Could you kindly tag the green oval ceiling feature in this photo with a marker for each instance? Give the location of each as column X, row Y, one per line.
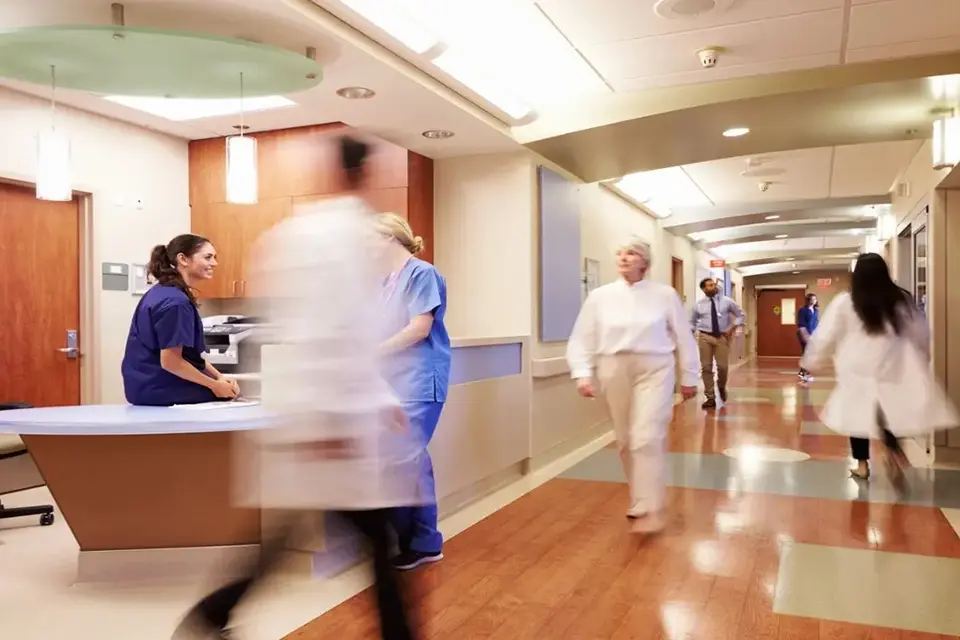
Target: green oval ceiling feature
column 135, row 61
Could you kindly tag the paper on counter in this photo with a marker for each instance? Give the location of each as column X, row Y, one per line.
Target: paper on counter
column 206, row 406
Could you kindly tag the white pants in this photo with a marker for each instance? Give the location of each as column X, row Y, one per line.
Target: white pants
column 638, row 391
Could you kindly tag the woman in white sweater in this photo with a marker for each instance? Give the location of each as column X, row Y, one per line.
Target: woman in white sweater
column 879, row 343
column 622, row 350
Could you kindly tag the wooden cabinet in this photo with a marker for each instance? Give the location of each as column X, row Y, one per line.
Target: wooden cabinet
column 234, row 229
column 296, row 166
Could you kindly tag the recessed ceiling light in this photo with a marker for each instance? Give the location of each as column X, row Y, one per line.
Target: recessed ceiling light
column 181, row 109
column 789, row 259
column 796, row 272
column 772, row 218
column 437, row 134
column 736, row 132
column 782, row 236
column 356, row 93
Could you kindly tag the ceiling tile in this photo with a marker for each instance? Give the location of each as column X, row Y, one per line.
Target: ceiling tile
column 870, row 169
column 904, row 49
column 801, row 175
column 586, row 23
column 728, row 72
column 792, row 37
column 902, row 21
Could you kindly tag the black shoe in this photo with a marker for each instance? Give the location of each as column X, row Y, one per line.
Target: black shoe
column 723, row 393
column 408, row 560
column 709, row 404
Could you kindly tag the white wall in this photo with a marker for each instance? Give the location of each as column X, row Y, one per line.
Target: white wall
column 117, row 163
column 607, row 221
column 483, row 233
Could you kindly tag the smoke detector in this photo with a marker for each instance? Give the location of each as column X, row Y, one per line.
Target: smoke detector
column 679, row 9
column 709, row 56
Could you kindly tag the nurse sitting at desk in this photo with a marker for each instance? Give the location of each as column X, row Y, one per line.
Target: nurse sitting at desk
column 163, row 363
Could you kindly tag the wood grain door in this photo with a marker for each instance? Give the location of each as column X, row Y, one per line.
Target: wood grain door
column 777, row 322
column 40, row 289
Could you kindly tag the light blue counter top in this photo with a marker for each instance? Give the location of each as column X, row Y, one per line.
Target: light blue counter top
column 111, row 420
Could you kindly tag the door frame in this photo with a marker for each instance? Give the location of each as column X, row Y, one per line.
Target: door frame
column 89, row 301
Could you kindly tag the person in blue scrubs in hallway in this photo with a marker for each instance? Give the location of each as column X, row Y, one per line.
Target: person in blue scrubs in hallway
column 163, row 364
column 417, row 366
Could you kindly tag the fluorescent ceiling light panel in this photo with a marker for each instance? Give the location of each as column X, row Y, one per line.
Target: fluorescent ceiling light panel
column 510, row 42
column 400, row 24
column 181, row 109
column 662, row 190
column 463, row 70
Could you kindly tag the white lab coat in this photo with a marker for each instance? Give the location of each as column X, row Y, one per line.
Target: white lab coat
column 320, row 273
column 888, row 371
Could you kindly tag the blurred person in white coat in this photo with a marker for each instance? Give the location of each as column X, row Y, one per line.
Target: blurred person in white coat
column 879, row 343
column 341, row 444
column 623, row 350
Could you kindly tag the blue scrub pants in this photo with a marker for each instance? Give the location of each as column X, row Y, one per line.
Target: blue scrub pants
column 416, row 527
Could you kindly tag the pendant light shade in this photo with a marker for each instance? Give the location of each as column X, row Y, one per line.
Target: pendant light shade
column 53, row 166
column 946, row 142
column 242, row 170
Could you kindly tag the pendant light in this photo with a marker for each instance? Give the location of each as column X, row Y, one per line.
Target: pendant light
column 242, row 164
column 53, row 155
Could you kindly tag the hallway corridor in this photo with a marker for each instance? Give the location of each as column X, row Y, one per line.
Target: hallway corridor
column 768, row 539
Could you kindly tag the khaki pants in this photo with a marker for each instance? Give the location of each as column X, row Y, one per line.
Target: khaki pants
column 638, row 391
column 713, row 349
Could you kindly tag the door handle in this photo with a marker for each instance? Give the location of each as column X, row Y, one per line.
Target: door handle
column 72, row 350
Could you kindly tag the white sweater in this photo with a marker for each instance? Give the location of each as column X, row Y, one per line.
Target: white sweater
column 644, row 318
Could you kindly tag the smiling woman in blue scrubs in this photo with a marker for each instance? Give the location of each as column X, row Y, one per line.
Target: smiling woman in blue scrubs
column 417, row 366
column 163, row 363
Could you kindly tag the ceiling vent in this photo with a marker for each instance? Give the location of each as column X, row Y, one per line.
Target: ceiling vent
column 755, row 168
column 678, row 9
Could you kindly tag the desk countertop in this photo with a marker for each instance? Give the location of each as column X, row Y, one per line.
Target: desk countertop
column 88, row 420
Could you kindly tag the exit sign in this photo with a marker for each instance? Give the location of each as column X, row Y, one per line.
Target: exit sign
column 718, row 264
column 824, row 282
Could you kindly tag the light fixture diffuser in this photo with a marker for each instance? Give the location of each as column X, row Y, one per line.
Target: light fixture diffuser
column 242, row 177
column 736, row 132
column 662, row 190
column 53, row 166
column 182, row 109
column 396, row 22
column 461, row 68
column 946, row 142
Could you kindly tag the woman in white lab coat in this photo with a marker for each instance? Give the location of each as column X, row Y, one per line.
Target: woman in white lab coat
column 623, row 351
column 879, row 343
column 340, row 444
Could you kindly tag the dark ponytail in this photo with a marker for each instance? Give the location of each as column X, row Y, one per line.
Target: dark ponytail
column 163, row 262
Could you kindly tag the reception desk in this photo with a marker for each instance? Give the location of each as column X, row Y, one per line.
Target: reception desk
column 128, row 479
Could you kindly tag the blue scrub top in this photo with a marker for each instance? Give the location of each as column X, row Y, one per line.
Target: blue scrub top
column 808, row 319
column 420, row 373
column 165, row 318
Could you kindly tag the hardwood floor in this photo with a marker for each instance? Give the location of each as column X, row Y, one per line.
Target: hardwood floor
column 560, row 562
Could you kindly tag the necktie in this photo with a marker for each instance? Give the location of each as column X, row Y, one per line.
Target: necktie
column 714, row 319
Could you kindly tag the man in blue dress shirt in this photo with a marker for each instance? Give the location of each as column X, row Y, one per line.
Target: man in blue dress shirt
column 711, row 321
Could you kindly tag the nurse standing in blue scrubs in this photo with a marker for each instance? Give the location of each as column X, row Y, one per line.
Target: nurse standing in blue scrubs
column 417, row 366
column 163, row 364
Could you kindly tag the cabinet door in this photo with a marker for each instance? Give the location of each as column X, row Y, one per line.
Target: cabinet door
column 221, row 223
column 260, row 219
column 234, row 229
